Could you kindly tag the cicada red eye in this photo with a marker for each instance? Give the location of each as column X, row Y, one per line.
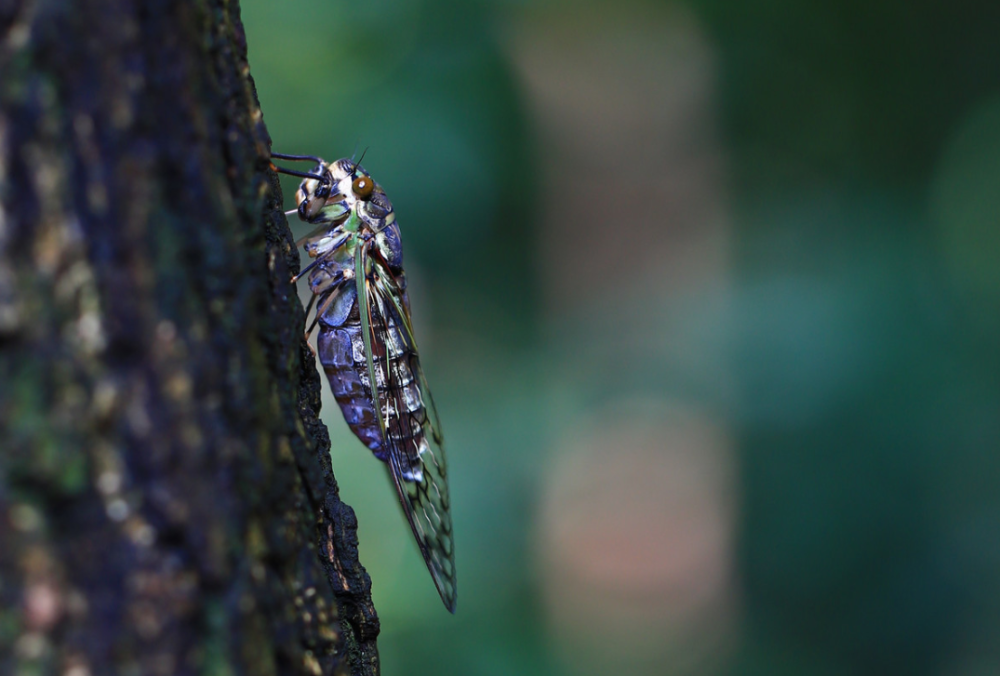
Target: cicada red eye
column 363, row 187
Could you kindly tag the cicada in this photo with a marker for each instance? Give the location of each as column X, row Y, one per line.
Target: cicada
column 367, row 347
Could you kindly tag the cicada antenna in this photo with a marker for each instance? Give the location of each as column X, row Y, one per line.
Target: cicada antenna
column 358, row 163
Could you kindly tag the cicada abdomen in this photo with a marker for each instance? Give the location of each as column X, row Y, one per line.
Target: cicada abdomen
column 368, row 351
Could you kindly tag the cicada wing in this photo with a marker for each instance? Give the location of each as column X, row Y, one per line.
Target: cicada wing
column 424, row 497
column 417, row 462
column 399, row 307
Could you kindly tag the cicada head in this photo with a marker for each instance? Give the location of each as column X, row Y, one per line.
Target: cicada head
column 345, row 187
column 364, row 195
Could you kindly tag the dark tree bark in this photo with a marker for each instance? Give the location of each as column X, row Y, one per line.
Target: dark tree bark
column 167, row 504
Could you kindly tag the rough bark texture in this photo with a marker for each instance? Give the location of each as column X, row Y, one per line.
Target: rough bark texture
column 167, row 504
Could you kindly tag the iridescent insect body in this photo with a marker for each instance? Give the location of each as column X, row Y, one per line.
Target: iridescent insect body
column 366, row 336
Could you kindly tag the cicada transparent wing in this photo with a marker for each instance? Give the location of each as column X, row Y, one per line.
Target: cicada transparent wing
column 407, row 418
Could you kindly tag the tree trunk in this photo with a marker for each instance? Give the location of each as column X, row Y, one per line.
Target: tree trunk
column 167, row 504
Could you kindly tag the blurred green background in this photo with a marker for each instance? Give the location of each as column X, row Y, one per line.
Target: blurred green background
column 708, row 295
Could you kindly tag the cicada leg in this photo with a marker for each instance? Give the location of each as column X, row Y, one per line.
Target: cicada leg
column 331, row 295
column 312, row 301
column 304, row 271
column 309, row 305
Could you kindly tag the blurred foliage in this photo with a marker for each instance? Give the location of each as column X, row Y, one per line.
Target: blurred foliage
column 864, row 145
column 860, row 323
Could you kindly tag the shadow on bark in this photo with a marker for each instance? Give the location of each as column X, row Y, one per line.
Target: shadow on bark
column 167, row 504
